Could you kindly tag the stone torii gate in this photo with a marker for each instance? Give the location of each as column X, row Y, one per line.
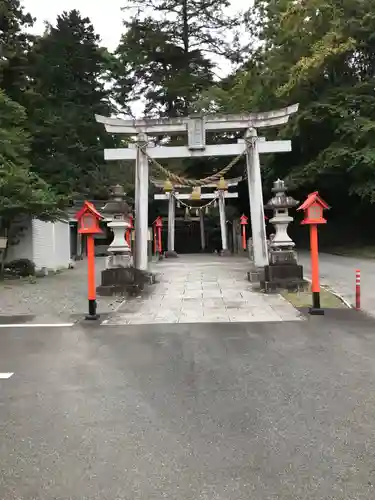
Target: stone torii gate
column 219, row 195
column 196, row 126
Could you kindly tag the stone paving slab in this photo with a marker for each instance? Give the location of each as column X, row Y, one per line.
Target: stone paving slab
column 203, row 289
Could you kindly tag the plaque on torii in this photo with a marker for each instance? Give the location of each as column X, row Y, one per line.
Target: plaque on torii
column 195, row 127
column 196, row 133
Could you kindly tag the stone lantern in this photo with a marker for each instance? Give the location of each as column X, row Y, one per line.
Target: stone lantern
column 118, row 212
column 283, row 270
column 120, row 275
column 280, row 204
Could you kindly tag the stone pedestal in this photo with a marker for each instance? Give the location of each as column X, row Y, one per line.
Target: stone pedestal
column 170, row 254
column 225, row 253
column 282, row 272
column 124, row 280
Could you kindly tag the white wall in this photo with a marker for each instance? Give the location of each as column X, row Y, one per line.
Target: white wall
column 51, row 244
column 23, row 249
column 47, row 244
column 43, row 244
column 62, row 244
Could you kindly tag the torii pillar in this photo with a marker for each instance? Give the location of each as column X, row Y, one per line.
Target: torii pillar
column 254, row 180
column 141, row 204
column 203, row 235
column 171, row 225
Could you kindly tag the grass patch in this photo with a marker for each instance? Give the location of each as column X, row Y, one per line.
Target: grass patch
column 367, row 252
column 303, row 298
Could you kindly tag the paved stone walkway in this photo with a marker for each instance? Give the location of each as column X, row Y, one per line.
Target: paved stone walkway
column 203, row 288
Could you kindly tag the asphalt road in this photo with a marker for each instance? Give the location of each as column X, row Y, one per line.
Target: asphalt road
column 278, row 411
column 339, row 273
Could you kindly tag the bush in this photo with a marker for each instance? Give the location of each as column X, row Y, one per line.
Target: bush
column 21, row 267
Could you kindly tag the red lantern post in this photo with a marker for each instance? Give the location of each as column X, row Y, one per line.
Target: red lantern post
column 88, row 223
column 129, row 230
column 313, row 208
column 244, row 221
column 159, row 225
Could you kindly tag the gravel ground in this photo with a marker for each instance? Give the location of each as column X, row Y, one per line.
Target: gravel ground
column 55, row 295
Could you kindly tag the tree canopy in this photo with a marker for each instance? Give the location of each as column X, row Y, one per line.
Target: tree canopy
column 320, row 54
column 68, row 88
column 164, row 55
column 21, row 191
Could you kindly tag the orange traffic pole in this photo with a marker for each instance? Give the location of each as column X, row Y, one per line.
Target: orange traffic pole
column 244, row 237
column 315, row 285
column 91, row 292
column 358, row 289
column 159, row 238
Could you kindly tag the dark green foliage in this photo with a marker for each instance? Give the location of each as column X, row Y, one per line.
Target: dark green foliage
column 322, row 55
column 20, row 267
column 21, row 191
column 68, row 90
column 15, row 45
column 167, row 77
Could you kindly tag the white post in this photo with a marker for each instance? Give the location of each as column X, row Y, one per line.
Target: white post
column 79, row 244
column 254, row 180
column 141, row 206
column 201, row 222
column 223, row 224
column 171, row 225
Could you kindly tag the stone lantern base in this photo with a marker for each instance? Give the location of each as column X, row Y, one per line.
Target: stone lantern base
column 282, row 272
column 170, row 254
column 124, row 281
column 225, row 253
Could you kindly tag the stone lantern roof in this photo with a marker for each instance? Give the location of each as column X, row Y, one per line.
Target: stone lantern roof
column 280, row 200
column 116, row 204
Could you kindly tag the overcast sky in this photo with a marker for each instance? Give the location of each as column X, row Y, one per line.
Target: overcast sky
column 105, row 15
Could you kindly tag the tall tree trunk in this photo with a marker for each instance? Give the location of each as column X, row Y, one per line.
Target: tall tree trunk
column 186, row 42
column 185, row 29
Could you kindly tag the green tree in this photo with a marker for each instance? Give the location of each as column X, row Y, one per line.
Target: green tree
column 322, row 55
column 69, row 72
column 165, row 59
column 15, row 45
column 22, row 192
